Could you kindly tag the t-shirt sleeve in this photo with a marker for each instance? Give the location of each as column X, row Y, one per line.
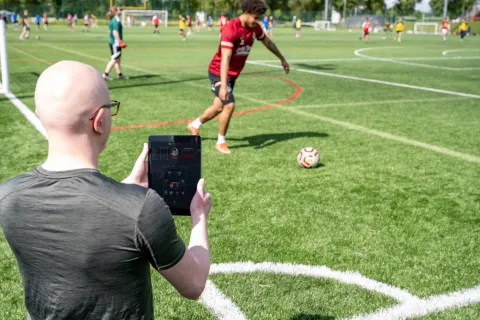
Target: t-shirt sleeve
column 156, row 233
column 228, row 37
column 259, row 34
column 116, row 25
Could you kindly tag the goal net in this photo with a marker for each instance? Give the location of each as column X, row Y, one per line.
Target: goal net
column 143, row 18
column 425, row 28
column 322, row 25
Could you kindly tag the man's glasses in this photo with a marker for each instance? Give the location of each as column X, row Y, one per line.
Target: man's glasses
column 114, row 108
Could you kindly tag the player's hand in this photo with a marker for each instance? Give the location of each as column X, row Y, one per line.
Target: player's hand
column 202, row 202
column 139, row 174
column 122, row 44
column 223, row 93
column 286, row 66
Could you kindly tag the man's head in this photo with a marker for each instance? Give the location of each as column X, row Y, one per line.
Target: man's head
column 253, row 10
column 71, row 101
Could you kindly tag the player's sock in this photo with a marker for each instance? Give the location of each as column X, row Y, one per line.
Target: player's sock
column 196, row 123
column 221, row 139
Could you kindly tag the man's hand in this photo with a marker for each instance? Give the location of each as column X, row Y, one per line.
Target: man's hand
column 286, row 66
column 122, row 44
column 201, row 203
column 139, row 174
column 223, row 93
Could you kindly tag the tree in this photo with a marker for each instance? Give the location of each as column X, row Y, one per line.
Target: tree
column 406, row 7
column 455, row 8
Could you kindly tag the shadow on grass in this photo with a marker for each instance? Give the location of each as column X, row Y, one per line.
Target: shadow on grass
column 131, row 83
column 316, row 66
column 266, row 140
column 306, row 316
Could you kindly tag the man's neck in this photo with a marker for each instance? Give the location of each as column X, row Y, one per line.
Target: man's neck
column 70, row 156
column 243, row 20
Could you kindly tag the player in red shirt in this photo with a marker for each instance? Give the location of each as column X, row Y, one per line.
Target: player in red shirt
column 189, row 25
column 155, row 22
column 236, row 42
column 366, row 29
column 445, row 27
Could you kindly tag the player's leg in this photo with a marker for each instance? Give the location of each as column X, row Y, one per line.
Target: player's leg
column 113, row 60
column 207, row 115
column 27, row 33
column 223, row 122
column 24, row 31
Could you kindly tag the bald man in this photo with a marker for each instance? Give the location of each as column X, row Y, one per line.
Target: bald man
column 84, row 242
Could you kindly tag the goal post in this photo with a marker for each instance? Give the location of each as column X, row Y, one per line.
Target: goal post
column 143, row 17
column 4, row 57
column 425, row 28
column 322, row 25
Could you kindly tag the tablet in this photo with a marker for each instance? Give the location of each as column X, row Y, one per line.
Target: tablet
column 174, row 168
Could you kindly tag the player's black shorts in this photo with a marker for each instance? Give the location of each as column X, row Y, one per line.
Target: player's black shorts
column 116, row 51
column 38, row 23
column 46, row 23
column 85, row 24
column 181, row 30
column 216, row 89
column 155, row 25
column 463, row 33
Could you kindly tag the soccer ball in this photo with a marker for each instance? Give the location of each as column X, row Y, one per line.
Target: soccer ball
column 308, row 157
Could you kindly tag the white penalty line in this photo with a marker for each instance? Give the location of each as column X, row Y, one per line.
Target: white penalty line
column 27, row 113
column 363, row 59
column 395, row 84
column 425, row 306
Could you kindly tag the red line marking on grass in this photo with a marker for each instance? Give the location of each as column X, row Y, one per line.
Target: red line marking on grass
column 295, row 95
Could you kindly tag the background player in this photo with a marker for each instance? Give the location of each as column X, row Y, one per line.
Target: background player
column 115, row 42
column 222, row 22
column 445, row 28
column 69, row 22
column 15, row 21
column 86, row 22
column 189, row 25
column 210, row 23
column 38, row 19
column 26, row 27
column 366, row 30
column 399, row 29
column 270, row 26
column 45, row 21
column 463, row 29
column 298, row 27
column 155, row 22
column 182, row 26
column 197, row 23
column 236, row 42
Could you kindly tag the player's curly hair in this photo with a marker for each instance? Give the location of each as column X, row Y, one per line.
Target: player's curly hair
column 254, row 6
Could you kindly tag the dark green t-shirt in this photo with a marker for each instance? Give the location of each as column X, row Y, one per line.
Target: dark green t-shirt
column 84, row 243
column 115, row 24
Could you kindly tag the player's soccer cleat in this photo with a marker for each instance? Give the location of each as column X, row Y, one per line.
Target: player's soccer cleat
column 223, row 148
column 105, row 77
column 193, row 131
column 122, row 77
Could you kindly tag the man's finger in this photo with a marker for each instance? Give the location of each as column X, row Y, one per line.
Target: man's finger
column 200, row 186
column 143, row 156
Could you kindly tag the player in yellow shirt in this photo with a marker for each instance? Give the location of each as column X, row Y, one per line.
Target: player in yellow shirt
column 399, row 29
column 463, row 29
column 298, row 27
column 182, row 26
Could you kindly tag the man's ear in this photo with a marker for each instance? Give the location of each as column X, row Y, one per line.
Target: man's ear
column 97, row 123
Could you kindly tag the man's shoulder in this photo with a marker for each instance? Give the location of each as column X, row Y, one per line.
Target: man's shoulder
column 19, row 182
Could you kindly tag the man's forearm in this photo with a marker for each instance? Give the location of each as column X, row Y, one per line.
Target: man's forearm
column 273, row 48
column 116, row 35
column 198, row 245
column 224, row 66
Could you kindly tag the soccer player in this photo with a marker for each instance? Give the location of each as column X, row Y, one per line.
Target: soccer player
column 463, row 29
column 155, row 22
column 298, row 27
column 116, row 43
column 45, row 21
column 86, row 22
column 210, row 23
column 197, row 23
column 26, row 26
column 270, row 26
column 265, row 24
column 387, row 28
column 399, row 29
column 366, row 30
column 189, row 25
column 182, row 26
column 75, row 20
column 15, row 21
column 236, row 42
column 445, row 28
column 38, row 18
column 69, row 22
column 222, row 22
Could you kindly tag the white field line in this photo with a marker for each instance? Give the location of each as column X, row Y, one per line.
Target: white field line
column 357, row 53
column 425, row 306
column 362, row 59
column 368, row 103
column 389, row 136
column 219, row 304
column 395, row 84
column 457, row 50
column 346, row 277
column 31, row 117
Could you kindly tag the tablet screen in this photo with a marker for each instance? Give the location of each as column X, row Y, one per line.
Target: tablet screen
column 174, row 169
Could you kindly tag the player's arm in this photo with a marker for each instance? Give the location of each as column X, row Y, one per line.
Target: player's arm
column 268, row 43
column 224, row 66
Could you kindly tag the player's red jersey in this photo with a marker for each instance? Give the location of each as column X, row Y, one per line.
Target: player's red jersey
column 189, row 21
column 155, row 20
column 445, row 24
column 222, row 22
column 366, row 26
column 240, row 39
